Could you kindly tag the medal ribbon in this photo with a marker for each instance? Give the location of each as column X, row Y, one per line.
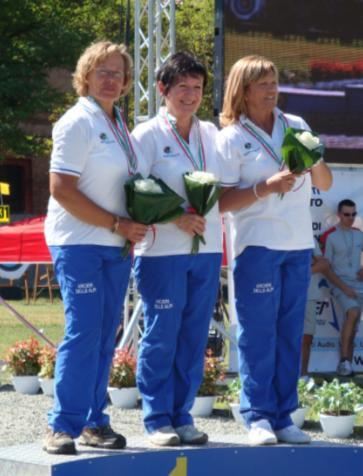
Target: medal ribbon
column 122, row 136
column 256, row 135
column 198, row 164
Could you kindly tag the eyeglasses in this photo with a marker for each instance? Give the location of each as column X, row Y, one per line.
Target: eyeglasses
column 352, row 215
column 106, row 73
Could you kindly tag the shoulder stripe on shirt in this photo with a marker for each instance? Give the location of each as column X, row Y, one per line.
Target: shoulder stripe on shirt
column 67, row 171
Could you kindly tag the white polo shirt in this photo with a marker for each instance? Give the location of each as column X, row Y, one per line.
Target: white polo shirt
column 84, row 146
column 273, row 222
column 167, row 161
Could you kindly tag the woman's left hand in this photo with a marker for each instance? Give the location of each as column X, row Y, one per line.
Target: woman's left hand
column 191, row 223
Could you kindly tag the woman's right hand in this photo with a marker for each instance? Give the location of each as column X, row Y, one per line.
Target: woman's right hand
column 191, row 223
column 131, row 230
column 281, row 182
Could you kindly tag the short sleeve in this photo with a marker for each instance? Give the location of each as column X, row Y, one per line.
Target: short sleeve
column 144, row 139
column 70, row 146
column 229, row 163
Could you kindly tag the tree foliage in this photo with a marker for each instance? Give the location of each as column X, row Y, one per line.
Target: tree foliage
column 38, row 36
column 195, row 33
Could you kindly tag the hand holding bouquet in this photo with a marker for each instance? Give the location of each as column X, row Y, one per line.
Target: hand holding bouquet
column 202, row 190
column 150, row 201
column 301, row 149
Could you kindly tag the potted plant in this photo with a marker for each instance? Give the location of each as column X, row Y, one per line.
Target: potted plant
column 232, row 396
column 23, row 361
column 337, row 404
column 122, row 384
column 47, row 365
column 208, row 390
column 305, row 390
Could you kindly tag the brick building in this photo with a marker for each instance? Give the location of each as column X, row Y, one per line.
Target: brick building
column 28, row 176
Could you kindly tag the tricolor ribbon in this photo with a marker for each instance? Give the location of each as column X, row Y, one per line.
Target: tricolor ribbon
column 121, row 133
column 199, row 163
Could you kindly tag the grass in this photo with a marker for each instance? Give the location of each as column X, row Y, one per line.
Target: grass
column 43, row 315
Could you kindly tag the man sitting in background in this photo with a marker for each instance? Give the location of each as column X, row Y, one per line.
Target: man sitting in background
column 320, row 269
column 343, row 248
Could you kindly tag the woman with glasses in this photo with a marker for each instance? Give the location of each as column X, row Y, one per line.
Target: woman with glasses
column 272, row 242
column 178, row 289
column 86, row 227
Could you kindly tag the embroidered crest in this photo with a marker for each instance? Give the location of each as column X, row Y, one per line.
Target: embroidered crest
column 103, row 136
column 167, row 149
column 248, row 145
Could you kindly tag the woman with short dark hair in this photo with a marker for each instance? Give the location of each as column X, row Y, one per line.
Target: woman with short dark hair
column 178, row 289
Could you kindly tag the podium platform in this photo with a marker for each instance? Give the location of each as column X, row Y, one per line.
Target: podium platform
column 226, row 455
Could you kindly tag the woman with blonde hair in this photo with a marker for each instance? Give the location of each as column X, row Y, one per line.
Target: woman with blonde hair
column 272, row 243
column 86, row 227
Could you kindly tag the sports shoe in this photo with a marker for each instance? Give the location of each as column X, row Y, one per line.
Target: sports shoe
column 164, row 436
column 58, row 443
column 102, row 437
column 188, row 434
column 292, row 434
column 261, row 433
column 344, row 368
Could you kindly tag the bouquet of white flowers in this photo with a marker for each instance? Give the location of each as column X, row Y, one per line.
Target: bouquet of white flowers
column 301, row 149
column 202, row 190
column 150, row 201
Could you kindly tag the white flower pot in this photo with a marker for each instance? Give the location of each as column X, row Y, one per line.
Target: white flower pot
column 298, row 416
column 337, row 426
column 123, row 397
column 27, row 384
column 47, row 386
column 235, row 412
column 203, row 406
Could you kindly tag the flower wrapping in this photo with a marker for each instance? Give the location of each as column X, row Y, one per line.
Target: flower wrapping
column 150, row 201
column 203, row 191
column 301, row 149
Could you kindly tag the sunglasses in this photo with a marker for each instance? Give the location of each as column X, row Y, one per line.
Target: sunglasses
column 354, row 214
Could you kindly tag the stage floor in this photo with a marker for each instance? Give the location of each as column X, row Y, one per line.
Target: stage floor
column 225, row 455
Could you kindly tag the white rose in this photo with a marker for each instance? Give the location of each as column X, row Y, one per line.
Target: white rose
column 307, row 139
column 147, row 185
column 203, row 177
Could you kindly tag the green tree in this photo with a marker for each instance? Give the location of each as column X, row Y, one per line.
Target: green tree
column 194, row 21
column 38, row 36
column 35, row 37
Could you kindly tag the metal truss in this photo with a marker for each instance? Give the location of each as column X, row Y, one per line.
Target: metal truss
column 154, row 43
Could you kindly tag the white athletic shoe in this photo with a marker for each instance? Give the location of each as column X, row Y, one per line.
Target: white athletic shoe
column 164, row 436
column 188, row 434
column 261, row 433
column 345, row 368
column 292, row 434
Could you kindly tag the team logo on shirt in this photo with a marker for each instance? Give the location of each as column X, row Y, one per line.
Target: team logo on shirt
column 169, row 151
column 105, row 139
column 248, row 145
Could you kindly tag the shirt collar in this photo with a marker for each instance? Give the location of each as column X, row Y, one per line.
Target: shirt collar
column 163, row 112
column 90, row 105
column 276, row 112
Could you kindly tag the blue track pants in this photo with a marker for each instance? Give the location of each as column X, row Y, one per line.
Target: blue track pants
column 271, row 290
column 93, row 282
column 179, row 294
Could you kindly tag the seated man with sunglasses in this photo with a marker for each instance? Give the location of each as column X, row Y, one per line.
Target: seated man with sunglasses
column 343, row 248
